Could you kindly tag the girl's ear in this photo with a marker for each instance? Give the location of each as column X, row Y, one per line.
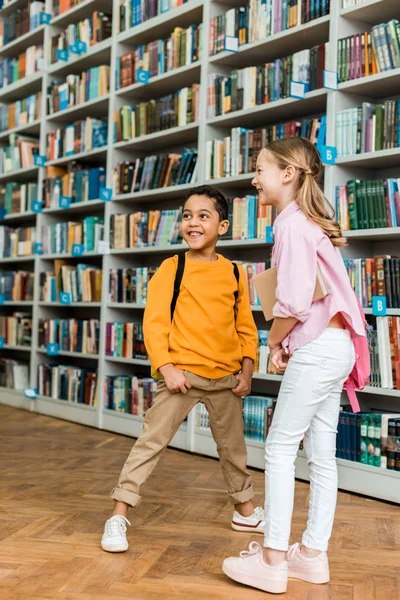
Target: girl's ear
column 223, row 227
column 289, row 174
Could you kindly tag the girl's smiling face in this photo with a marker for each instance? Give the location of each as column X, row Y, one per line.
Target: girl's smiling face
column 269, row 179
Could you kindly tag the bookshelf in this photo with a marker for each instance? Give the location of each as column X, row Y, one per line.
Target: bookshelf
column 355, row 477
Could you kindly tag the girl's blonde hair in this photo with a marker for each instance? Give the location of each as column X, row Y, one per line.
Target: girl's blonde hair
column 302, row 154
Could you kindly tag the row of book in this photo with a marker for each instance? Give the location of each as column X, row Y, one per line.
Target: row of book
column 129, row 285
column 77, row 89
column 146, row 228
column 384, row 342
column 17, row 285
column 16, row 329
column 368, row 53
column 262, row 18
column 82, row 136
column 269, row 82
column 133, row 12
column 156, row 171
column 25, row 64
column 81, row 282
column 14, row 374
column 59, row 7
column 378, row 276
column 125, row 340
column 17, row 241
column 237, row 153
column 180, row 49
column 129, row 395
column 20, row 22
column 368, row 204
column 76, row 181
column 71, row 335
column 175, row 110
column 16, row 198
column 72, row 384
column 90, row 31
column 19, row 154
column 368, row 128
column 60, row 237
column 20, row 113
column 370, row 439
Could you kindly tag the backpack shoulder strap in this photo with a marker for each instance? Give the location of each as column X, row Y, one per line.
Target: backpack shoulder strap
column 236, row 273
column 177, row 283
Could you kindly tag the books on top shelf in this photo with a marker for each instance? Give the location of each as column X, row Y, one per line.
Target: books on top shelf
column 368, row 204
column 237, row 153
column 129, row 395
column 16, row 285
column 129, row 285
column 16, row 198
column 19, row 154
column 71, row 335
column 262, row 84
column 125, row 340
column 378, row 276
column 156, row 171
column 262, row 18
column 17, row 329
column 72, row 384
column 77, row 89
column 14, row 374
column 175, row 110
column 25, row 64
column 60, row 237
column 20, row 22
column 133, row 12
column 20, row 113
column 90, row 31
column 82, row 136
column 75, row 181
column 368, row 128
column 82, row 282
column 384, row 342
column 17, row 241
column 183, row 47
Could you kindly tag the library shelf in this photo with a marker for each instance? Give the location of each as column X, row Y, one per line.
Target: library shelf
column 21, row 88
column 89, row 156
column 78, row 12
column 233, row 182
column 176, row 136
column 77, row 207
column 18, row 303
column 25, row 174
column 128, row 361
column 14, row 398
column 68, row 354
column 11, row 7
column 256, row 243
column 163, row 193
column 17, row 347
column 63, row 409
column 372, row 11
column 381, row 159
column 19, row 216
column 380, row 233
column 71, row 305
column 28, row 129
column 161, row 26
column 124, row 305
column 313, row 102
column 31, row 38
column 391, row 312
column 63, row 255
column 380, row 85
column 13, row 259
column 161, row 85
column 280, row 44
column 381, row 391
column 91, row 108
column 131, row 425
column 93, row 57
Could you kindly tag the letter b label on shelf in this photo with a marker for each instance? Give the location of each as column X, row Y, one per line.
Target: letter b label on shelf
column 379, row 306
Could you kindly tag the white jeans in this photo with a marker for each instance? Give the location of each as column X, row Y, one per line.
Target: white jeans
column 308, row 406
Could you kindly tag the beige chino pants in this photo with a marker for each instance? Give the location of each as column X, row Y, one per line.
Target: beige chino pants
column 162, row 421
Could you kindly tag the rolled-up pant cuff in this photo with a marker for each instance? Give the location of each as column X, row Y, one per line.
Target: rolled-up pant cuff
column 274, row 545
column 124, row 496
column 240, row 497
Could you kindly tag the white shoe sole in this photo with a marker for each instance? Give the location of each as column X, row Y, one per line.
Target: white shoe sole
column 247, row 529
column 271, row 586
column 121, row 548
column 317, row 577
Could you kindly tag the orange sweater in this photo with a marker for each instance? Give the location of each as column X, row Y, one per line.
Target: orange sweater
column 204, row 337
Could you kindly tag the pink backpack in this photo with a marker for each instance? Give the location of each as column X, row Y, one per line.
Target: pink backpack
column 359, row 376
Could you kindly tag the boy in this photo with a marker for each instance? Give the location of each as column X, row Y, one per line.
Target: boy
column 205, row 353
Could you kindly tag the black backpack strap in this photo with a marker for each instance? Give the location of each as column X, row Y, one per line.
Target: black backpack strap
column 178, row 280
column 236, row 273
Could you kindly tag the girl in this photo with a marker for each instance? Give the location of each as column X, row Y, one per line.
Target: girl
column 312, row 344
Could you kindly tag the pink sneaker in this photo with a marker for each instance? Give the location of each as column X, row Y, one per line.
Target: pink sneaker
column 249, row 568
column 313, row 570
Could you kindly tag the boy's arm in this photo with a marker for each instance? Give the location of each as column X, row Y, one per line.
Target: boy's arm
column 245, row 326
column 157, row 314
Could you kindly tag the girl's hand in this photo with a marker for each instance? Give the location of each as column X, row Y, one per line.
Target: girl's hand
column 175, row 379
column 244, row 384
column 279, row 359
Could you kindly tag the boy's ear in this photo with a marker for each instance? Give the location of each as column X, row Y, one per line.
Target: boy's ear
column 223, row 227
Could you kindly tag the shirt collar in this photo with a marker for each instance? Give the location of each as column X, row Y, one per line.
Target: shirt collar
column 287, row 211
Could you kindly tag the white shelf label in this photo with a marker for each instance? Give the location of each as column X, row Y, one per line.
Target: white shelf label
column 330, row 80
column 231, row 43
column 103, row 247
column 30, row 392
column 298, row 89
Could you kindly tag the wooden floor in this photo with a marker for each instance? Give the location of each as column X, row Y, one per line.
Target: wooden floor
column 55, row 478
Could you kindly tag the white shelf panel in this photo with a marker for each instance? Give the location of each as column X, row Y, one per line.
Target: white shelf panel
column 28, row 129
column 27, row 174
column 18, row 217
column 95, row 56
column 22, row 42
column 240, row 244
column 164, row 193
column 128, row 361
column 21, row 88
column 71, row 354
column 92, row 108
column 379, row 85
column 384, row 233
column 381, row 391
column 14, row 398
column 17, row 347
column 373, row 11
column 242, row 182
column 154, row 141
column 18, row 303
column 77, row 207
column 382, row 159
column 65, row 255
column 69, row 411
column 126, row 305
column 13, row 259
column 72, row 305
column 162, row 84
column 394, row 312
column 98, row 154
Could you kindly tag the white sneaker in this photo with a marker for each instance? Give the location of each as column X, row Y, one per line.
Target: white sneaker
column 114, row 536
column 255, row 523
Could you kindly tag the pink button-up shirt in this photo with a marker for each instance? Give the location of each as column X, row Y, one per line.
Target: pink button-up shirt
column 299, row 245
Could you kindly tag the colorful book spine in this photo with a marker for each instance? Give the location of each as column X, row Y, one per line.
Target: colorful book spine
column 134, row 12
column 60, row 238
column 77, row 89
column 129, row 395
column 14, row 374
column 81, row 136
column 79, row 37
column 20, row 113
column 16, row 329
column 17, row 285
column 129, row 285
column 71, row 335
column 16, row 198
column 72, row 384
column 25, row 64
column 17, row 241
column 125, row 340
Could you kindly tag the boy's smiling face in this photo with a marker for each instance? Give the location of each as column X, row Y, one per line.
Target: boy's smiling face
column 201, row 225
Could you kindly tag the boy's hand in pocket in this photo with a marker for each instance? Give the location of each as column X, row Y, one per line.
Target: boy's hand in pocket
column 175, row 379
column 244, row 384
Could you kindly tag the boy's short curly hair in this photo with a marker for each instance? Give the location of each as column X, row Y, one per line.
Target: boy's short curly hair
column 219, row 200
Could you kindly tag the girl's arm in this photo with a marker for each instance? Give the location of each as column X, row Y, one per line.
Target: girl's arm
column 279, row 330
